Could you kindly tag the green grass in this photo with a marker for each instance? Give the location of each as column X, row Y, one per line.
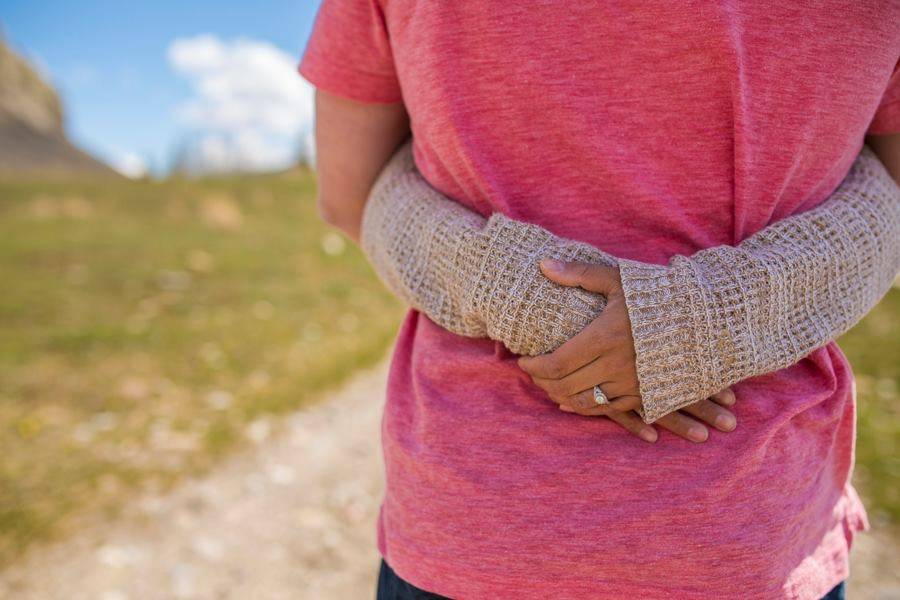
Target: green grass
column 144, row 325
column 873, row 347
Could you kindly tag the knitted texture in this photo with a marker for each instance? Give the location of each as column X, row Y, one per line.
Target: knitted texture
column 700, row 323
column 473, row 276
column 704, row 322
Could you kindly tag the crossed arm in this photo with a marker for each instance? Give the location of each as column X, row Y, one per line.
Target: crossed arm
column 865, row 209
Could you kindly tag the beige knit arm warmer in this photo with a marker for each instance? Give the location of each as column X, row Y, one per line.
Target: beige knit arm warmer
column 704, row 322
column 700, row 323
column 473, row 276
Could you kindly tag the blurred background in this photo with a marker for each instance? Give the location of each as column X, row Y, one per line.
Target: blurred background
column 191, row 364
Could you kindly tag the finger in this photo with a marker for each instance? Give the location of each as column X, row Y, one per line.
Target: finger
column 726, row 397
column 631, row 422
column 712, row 413
column 684, row 426
column 594, row 278
column 585, row 346
column 600, row 369
column 584, row 404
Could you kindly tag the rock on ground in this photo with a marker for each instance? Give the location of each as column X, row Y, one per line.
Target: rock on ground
column 294, row 517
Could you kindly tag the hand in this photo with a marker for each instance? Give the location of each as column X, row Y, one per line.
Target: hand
column 687, row 423
column 603, row 354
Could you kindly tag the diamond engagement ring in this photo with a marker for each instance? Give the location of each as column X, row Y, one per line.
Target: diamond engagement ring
column 599, row 397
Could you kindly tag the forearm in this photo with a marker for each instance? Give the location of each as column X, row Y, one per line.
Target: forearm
column 419, row 241
column 699, row 324
column 476, row 277
column 704, row 322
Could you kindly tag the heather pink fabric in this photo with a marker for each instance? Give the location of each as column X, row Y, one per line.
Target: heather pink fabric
column 646, row 129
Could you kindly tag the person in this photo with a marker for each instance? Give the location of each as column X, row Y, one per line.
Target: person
column 646, row 131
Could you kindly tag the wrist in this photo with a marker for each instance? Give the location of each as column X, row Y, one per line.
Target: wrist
column 529, row 313
column 671, row 335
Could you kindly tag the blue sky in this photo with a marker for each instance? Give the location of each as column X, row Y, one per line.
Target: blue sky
column 124, row 91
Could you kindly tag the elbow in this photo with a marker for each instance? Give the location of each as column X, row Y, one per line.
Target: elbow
column 329, row 207
column 335, row 213
column 327, row 210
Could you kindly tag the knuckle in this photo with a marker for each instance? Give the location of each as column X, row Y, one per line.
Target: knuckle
column 544, row 384
column 621, row 363
column 565, row 388
column 634, row 428
column 714, row 408
column 600, row 337
column 544, row 366
column 701, row 405
column 621, row 331
column 707, row 415
column 585, row 404
column 665, row 422
column 679, row 430
column 621, row 420
column 580, row 400
column 556, row 387
column 617, row 391
column 627, row 404
column 556, row 369
column 616, row 277
column 576, row 404
column 559, row 398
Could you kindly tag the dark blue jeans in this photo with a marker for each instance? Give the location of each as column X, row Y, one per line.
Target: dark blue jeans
column 391, row 587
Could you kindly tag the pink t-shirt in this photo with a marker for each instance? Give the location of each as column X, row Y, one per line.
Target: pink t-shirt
column 647, row 129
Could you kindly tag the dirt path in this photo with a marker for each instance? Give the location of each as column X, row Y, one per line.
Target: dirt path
column 292, row 518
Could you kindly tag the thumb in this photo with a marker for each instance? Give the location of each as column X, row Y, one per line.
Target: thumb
column 594, row 278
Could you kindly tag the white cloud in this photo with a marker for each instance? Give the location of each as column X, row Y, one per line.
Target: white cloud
column 130, row 165
column 249, row 108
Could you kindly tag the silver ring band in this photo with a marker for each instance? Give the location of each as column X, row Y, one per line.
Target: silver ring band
column 599, row 397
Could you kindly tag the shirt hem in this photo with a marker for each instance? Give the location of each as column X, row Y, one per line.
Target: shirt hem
column 832, row 568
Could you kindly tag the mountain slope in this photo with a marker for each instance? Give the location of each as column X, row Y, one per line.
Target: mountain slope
column 32, row 138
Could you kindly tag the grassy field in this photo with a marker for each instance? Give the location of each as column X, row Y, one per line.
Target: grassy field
column 146, row 328
column 873, row 347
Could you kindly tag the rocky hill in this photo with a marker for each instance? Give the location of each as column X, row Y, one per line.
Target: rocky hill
column 32, row 137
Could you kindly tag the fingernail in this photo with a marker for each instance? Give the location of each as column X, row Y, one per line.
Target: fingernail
column 566, row 408
column 726, row 422
column 697, row 434
column 648, row 434
column 551, row 265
